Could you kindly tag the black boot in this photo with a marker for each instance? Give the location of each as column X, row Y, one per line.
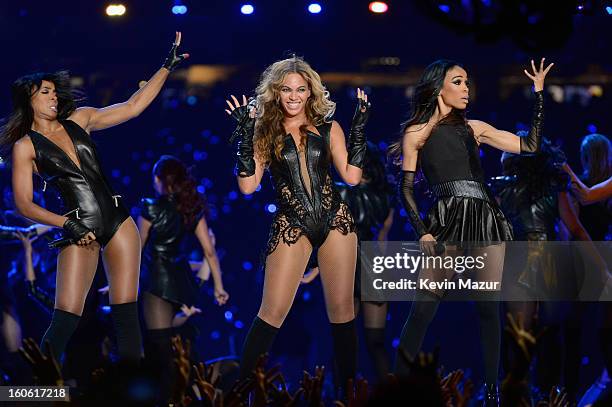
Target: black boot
column 127, row 331
column 259, row 340
column 63, row 324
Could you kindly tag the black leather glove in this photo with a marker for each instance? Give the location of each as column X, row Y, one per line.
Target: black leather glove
column 245, row 130
column 173, row 60
column 406, row 194
column 75, row 231
column 357, row 139
column 531, row 144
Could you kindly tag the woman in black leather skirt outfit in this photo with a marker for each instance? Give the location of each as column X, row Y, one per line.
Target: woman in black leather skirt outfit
column 294, row 137
column 446, row 144
column 50, row 136
column 167, row 282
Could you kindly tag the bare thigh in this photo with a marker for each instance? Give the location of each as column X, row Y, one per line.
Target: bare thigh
column 337, row 258
column 285, row 267
column 122, row 263
column 76, row 268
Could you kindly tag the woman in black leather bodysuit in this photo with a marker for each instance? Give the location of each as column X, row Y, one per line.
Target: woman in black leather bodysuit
column 167, row 282
column 49, row 136
column 293, row 135
column 465, row 215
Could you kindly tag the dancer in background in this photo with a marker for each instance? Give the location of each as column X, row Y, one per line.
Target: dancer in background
column 291, row 133
column 50, row 136
column 167, row 284
column 446, row 145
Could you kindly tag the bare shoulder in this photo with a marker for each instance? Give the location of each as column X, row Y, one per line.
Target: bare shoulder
column 82, row 115
column 23, row 147
column 416, row 135
column 336, row 128
column 478, row 126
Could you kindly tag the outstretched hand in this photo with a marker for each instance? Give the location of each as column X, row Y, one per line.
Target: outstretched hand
column 174, row 59
column 45, row 368
column 538, row 75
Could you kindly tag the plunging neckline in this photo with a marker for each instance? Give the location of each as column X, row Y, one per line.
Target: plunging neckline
column 76, row 152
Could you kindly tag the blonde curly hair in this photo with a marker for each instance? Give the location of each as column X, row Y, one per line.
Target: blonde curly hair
column 269, row 129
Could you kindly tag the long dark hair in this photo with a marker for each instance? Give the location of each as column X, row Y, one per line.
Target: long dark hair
column 540, row 173
column 19, row 122
column 425, row 102
column 176, row 179
column 596, row 158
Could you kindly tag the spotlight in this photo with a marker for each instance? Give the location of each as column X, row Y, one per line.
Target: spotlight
column 247, row 9
column 609, row 10
column 314, row 8
column 378, row 7
column 179, row 9
column 115, row 10
column 445, row 8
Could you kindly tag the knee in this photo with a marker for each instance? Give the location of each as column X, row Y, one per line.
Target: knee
column 273, row 316
column 73, row 308
column 340, row 311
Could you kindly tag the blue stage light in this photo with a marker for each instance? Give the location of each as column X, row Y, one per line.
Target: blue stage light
column 192, row 100
column 258, row 188
column 306, row 295
column 445, row 8
column 239, row 324
column 247, row 9
column 215, row 335
column 233, row 195
column 609, row 10
column 271, row 208
column 314, row 8
column 592, row 128
column 179, row 9
column 395, row 343
column 228, row 315
column 247, row 265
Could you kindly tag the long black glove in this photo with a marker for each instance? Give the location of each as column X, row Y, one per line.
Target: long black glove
column 406, row 194
column 75, row 231
column 42, row 297
column 357, row 139
column 531, row 144
column 173, row 60
column 245, row 162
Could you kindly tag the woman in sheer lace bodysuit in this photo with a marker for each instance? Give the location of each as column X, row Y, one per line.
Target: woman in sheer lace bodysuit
column 288, row 130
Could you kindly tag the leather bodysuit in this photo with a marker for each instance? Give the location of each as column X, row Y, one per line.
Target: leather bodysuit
column 307, row 210
column 165, row 270
column 85, row 193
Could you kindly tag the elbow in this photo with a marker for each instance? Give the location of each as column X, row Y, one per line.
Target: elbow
column 352, row 180
column 246, row 188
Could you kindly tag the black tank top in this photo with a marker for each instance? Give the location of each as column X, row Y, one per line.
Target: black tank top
column 451, row 153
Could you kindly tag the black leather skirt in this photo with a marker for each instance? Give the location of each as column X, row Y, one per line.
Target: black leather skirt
column 465, row 212
column 169, row 278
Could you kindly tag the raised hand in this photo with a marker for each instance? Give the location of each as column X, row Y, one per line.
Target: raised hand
column 173, row 59
column 538, row 75
column 451, row 387
column 45, row 368
column 190, row 311
column 357, row 140
column 243, row 113
column 313, row 387
column 183, row 367
column 203, row 379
